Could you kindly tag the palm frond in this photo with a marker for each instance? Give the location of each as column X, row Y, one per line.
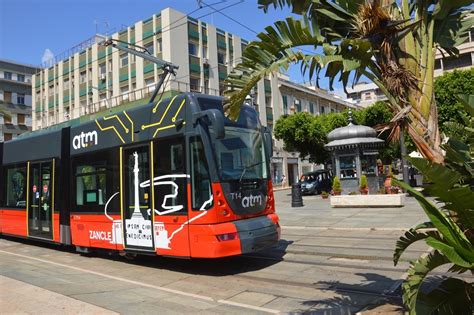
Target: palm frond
column 411, row 236
column 416, row 274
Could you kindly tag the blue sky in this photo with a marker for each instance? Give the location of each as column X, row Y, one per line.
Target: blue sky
column 29, row 27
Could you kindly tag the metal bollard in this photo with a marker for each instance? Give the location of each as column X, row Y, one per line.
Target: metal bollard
column 296, row 196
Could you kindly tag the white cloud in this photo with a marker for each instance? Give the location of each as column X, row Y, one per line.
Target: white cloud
column 48, row 57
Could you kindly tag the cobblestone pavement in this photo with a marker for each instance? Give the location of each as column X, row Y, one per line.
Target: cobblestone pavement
column 329, row 261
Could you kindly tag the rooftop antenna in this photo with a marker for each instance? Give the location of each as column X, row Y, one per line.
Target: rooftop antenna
column 106, row 28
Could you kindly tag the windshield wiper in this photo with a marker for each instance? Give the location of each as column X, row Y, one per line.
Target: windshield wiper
column 247, row 167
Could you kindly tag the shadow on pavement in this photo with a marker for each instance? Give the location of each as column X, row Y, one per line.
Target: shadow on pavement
column 196, row 266
column 352, row 298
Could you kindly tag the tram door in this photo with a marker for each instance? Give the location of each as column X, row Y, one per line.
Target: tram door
column 138, row 225
column 155, row 213
column 41, row 206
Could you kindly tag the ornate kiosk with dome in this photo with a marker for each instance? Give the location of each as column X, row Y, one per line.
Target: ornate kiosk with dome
column 354, row 150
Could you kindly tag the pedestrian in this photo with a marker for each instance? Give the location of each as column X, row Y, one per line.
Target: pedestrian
column 283, row 180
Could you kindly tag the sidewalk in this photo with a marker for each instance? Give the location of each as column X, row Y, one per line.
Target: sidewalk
column 40, row 301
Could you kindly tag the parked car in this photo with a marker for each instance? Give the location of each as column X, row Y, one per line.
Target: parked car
column 314, row 183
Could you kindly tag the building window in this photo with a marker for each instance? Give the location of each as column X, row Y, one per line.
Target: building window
column 16, row 184
column 7, row 120
column 150, row 82
column 204, row 51
column 206, row 86
column 159, row 45
column 297, row 106
column 7, row 75
column 124, row 92
column 21, row 119
column 323, row 109
column 268, row 101
column 285, row 104
column 82, row 77
column 150, row 48
column 194, row 84
column 20, row 77
column 20, row 98
column 311, row 107
column 221, row 58
column 7, row 96
column 7, row 136
column 66, row 84
column 102, row 69
column 124, row 60
column 193, row 49
column 462, row 61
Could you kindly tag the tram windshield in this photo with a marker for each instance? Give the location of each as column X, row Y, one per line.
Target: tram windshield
column 240, row 155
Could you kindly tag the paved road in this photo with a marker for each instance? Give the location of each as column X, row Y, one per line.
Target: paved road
column 329, row 261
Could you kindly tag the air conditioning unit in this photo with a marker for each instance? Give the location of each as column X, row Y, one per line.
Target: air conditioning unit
column 103, row 77
column 205, row 62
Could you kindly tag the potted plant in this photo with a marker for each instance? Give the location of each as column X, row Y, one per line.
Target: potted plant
column 363, row 187
column 336, row 186
column 388, row 180
column 324, row 195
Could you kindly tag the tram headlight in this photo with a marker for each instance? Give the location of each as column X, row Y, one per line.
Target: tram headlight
column 227, row 237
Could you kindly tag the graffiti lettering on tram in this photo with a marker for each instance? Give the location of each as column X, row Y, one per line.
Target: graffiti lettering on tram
column 100, row 235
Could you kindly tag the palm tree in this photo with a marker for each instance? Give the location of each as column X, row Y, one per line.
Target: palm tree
column 393, row 43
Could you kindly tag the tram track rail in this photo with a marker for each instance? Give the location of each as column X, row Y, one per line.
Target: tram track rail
column 343, row 265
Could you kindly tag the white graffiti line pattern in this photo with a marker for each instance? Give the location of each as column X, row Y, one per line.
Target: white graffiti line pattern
column 204, row 211
column 160, row 181
column 107, row 204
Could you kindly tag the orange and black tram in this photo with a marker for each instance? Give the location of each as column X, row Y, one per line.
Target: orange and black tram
column 173, row 178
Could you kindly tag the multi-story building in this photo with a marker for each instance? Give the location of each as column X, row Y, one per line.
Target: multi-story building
column 91, row 78
column 15, row 98
column 365, row 94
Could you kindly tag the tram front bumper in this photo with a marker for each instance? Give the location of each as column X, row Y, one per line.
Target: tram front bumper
column 234, row 238
column 256, row 234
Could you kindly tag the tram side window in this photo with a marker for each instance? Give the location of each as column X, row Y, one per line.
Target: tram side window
column 169, row 161
column 200, row 179
column 91, row 185
column 16, row 187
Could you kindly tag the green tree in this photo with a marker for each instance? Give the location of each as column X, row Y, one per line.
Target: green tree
column 452, row 115
column 303, row 133
column 390, row 42
column 306, row 133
